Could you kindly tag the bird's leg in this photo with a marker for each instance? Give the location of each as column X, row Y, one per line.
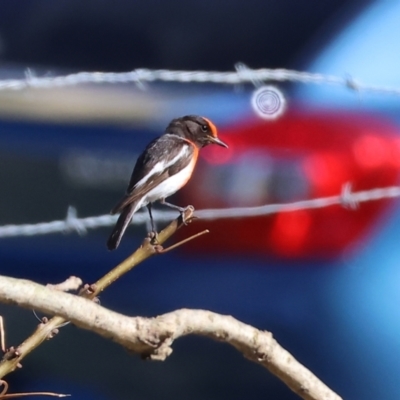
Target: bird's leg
column 153, row 233
column 180, row 209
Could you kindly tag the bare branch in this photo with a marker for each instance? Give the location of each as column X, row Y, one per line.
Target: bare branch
column 153, row 337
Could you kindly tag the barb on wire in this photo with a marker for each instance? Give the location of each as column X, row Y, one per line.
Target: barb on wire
column 73, row 223
column 347, row 199
column 240, row 75
column 243, row 70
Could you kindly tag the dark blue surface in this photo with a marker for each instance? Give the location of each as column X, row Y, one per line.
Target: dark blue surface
column 49, row 141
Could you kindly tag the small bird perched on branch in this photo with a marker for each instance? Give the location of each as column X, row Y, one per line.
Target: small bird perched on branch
column 163, row 168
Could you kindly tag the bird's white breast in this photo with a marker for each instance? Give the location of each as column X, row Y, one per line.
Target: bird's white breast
column 170, row 185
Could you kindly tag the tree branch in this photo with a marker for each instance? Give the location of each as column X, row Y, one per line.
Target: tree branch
column 12, row 358
column 153, row 337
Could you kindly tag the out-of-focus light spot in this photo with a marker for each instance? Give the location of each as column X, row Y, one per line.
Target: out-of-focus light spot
column 371, row 151
column 326, row 171
column 290, row 231
column 268, row 102
column 217, row 155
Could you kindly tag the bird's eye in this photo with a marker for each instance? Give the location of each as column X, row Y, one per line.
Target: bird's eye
column 204, row 128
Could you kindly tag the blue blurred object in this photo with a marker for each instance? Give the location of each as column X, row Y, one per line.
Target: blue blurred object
column 363, row 297
column 364, row 51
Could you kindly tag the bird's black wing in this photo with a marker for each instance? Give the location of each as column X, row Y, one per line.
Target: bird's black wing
column 163, row 157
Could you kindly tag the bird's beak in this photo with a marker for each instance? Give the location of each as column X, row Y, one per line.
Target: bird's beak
column 215, row 140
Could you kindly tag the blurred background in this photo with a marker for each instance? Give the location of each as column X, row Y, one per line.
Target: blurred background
column 324, row 281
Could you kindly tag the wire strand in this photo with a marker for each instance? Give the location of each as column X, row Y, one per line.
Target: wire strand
column 72, row 223
column 241, row 75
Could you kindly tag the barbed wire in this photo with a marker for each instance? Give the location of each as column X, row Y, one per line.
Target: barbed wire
column 242, row 74
column 72, row 223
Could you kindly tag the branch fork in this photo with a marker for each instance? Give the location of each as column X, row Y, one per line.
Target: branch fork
column 47, row 329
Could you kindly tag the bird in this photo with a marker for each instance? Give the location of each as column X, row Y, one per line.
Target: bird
column 165, row 166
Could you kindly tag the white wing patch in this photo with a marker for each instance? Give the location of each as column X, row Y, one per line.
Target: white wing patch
column 162, row 165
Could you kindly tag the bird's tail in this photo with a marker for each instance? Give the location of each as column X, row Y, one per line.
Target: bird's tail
column 121, row 225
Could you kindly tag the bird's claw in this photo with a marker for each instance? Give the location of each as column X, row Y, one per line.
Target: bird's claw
column 153, row 236
column 187, row 214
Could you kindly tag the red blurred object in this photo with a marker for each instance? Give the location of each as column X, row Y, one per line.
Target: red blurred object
column 300, row 156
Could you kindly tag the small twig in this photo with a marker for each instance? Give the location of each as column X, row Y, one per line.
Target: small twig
column 2, row 335
column 5, row 388
column 70, row 284
column 51, row 394
column 174, row 246
column 4, row 395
